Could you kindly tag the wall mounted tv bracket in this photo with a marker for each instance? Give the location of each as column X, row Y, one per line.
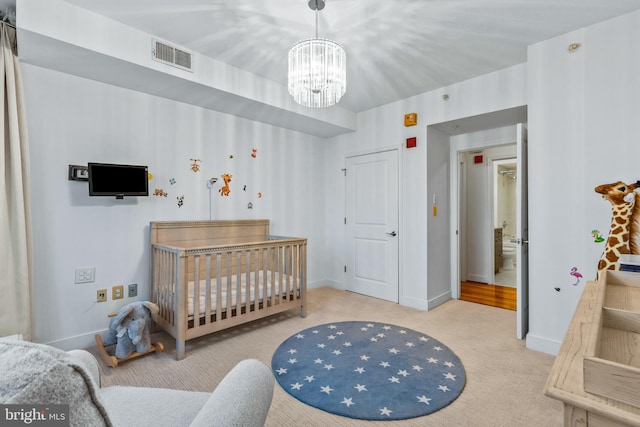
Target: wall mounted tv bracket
column 78, row 173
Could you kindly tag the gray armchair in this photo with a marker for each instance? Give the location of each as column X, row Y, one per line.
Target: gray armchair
column 38, row 374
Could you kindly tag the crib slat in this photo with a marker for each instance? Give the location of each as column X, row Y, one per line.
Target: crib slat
column 195, row 297
column 207, row 295
column 228, row 277
column 218, row 287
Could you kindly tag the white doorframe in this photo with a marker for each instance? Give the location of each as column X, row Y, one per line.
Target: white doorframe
column 491, row 160
column 492, row 138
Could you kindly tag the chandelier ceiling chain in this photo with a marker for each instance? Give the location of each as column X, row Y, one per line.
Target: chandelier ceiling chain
column 317, row 69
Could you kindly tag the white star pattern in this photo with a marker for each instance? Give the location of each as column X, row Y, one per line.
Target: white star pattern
column 348, row 401
column 326, row 389
column 423, row 399
column 360, row 388
column 385, row 411
column 399, row 377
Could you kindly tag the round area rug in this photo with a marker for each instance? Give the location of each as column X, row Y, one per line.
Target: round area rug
column 368, row 370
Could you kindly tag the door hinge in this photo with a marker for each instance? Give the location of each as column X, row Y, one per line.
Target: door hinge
column 344, row 171
column 345, row 268
column 345, row 219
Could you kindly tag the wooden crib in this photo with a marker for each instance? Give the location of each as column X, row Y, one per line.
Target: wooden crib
column 211, row 275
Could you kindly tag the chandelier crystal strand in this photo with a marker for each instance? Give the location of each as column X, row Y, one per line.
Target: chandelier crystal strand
column 317, row 71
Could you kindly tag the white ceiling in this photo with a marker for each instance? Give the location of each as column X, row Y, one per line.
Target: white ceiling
column 395, row 48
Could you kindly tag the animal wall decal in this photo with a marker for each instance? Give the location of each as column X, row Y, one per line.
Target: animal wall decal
column 225, row 190
column 195, row 166
column 625, row 212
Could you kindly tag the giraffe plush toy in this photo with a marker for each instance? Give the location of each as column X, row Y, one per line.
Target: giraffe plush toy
column 625, row 211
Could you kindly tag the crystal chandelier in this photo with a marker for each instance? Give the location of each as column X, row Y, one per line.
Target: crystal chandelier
column 317, row 69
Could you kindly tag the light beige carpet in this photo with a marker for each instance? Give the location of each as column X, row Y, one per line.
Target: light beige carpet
column 504, row 379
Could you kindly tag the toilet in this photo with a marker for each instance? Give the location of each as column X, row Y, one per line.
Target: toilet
column 508, row 255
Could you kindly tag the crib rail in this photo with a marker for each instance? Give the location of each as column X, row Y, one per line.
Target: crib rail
column 205, row 289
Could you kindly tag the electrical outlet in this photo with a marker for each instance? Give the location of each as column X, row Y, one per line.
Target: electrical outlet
column 117, row 292
column 102, row 295
column 85, row 275
column 133, row 290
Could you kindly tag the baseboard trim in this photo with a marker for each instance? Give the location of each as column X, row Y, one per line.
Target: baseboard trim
column 416, row 303
column 329, row 283
column 83, row 341
column 544, row 345
column 477, row 278
column 440, row 299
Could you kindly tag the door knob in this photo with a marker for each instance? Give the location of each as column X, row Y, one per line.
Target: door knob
column 392, row 234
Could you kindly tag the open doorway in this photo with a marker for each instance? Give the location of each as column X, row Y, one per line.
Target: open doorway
column 478, row 212
column 487, row 212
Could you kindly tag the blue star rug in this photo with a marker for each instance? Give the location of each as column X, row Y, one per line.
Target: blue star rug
column 368, row 370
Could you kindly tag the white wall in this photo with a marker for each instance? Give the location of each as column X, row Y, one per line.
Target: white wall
column 438, row 278
column 583, row 114
column 74, row 121
column 383, row 127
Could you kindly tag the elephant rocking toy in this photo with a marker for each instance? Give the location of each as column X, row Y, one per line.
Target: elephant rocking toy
column 129, row 330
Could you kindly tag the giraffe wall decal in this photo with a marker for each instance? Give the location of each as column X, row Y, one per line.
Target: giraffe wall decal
column 625, row 212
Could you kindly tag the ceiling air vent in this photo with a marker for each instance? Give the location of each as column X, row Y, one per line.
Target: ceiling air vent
column 171, row 55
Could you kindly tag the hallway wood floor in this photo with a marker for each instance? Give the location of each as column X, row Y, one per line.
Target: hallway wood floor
column 493, row 295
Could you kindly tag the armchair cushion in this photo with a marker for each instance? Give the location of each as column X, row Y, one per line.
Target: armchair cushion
column 39, row 374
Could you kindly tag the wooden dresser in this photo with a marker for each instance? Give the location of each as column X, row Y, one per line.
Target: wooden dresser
column 597, row 371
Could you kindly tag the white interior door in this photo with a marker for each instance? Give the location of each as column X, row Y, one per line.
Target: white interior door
column 372, row 225
column 522, row 238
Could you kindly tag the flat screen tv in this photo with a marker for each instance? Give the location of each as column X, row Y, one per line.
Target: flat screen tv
column 118, row 180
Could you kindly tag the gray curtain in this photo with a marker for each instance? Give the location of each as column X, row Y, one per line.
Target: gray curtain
column 16, row 251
